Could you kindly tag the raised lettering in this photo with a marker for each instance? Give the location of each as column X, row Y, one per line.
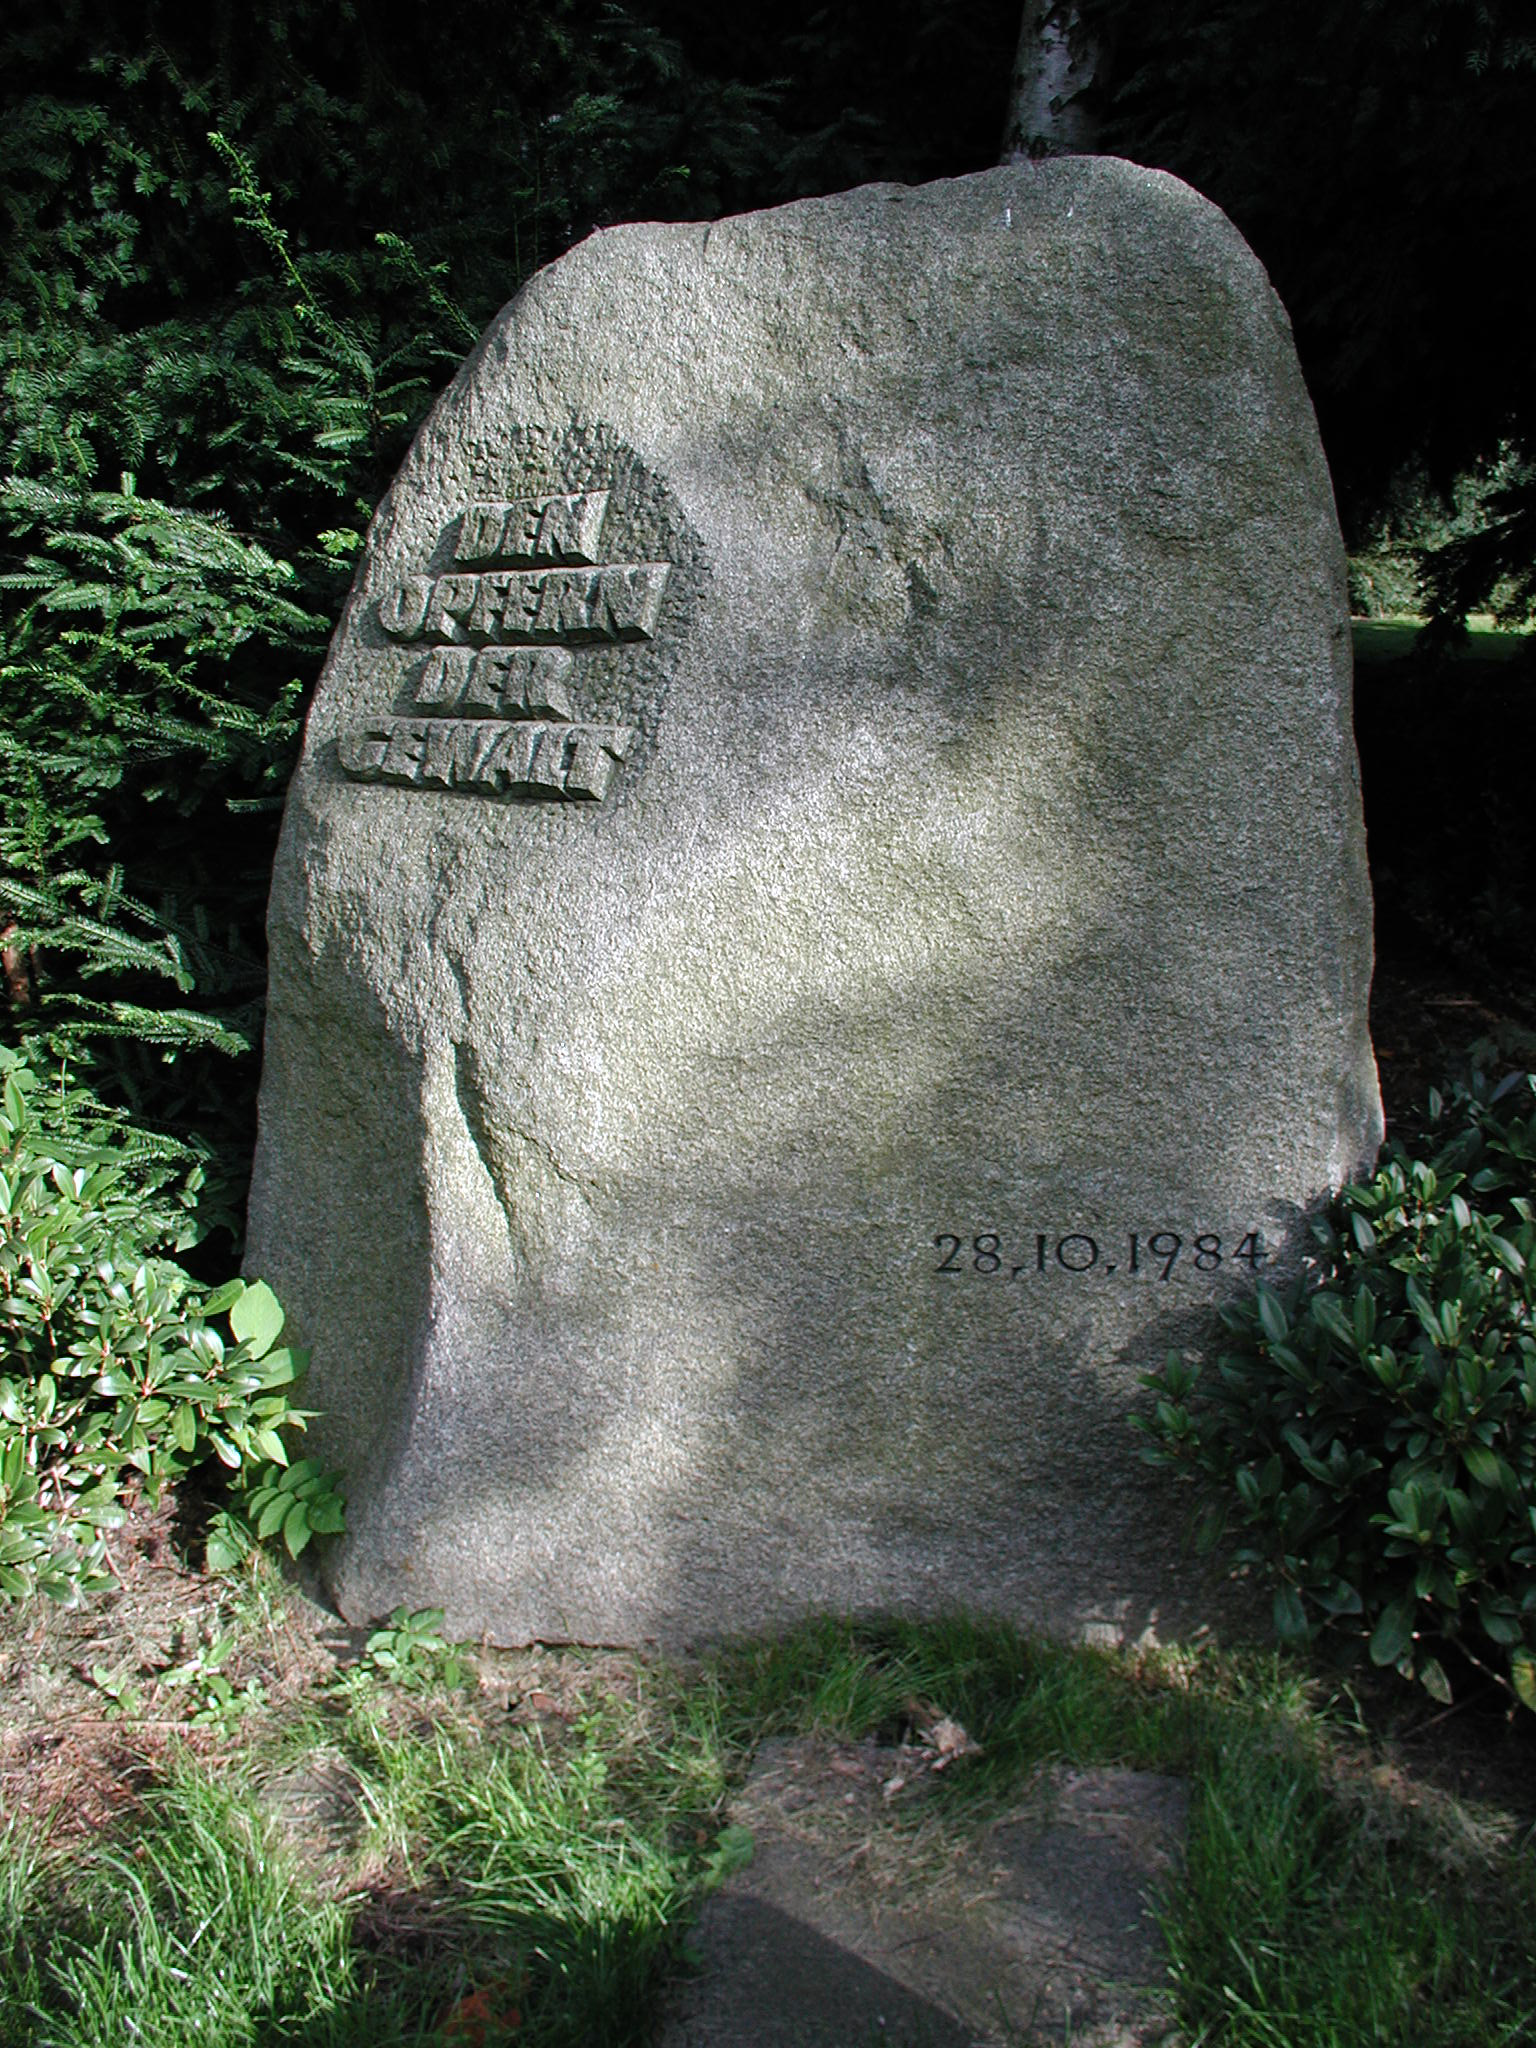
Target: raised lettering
column 361, row 754
column 519, row 541
column 542, row 674
column 560, row 529
column 494, row 765
column 569, row 528
column 629, row 598
column 488, row 680
column 491, row 592
column 481, row 769
column 521, row 606
column 504, row 682
column 402, row 758
column 453, row 599
column 593, row 761
column 452, row 744
column 619, row 601
column 546, row 769
column 403, row 607
column 443, row 678
column 481, row 526
column 495, row 757
column 565, row 605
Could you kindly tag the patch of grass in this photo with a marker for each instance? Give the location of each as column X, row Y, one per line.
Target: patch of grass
column 1026, row 1702
column 1314, row 1909
column 1305, row 1919
column 21, row 1887
column 485, row 1877
column 1395, row 639
column 578, row 1897
column 195, row 1926
column 539, row 1865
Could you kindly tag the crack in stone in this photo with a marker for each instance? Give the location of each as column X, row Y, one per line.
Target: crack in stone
column 492, row 1143
column 564, row 1174
column 471, row 1101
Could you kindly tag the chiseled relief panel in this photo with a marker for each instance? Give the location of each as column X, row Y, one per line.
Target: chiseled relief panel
column 534, row 671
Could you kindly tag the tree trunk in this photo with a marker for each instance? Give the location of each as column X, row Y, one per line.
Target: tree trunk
column 1056, row 62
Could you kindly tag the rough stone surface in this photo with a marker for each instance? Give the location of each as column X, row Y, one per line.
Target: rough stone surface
column 860, row 1920
column 822, row 919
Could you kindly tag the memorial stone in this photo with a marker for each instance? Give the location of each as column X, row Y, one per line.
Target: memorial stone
column 822, row 921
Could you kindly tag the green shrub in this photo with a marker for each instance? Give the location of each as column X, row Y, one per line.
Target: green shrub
column 181, row 504
column 1373, row 1431
column 114, row 1368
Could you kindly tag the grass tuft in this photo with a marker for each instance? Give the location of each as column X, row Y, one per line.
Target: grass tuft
column 1304, row 1920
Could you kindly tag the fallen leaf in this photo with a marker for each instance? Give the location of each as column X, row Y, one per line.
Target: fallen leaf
column 482, row 2018
column 949, row 1741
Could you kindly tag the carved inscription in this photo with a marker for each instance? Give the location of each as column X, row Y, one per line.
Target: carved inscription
column 495, row 700
column 504, row 682
column 564, row 529
column 620, row 601
column 488, row 756
column 1154, row 1252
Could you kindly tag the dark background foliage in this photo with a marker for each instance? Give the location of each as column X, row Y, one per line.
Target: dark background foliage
column 214, row 353
column 1378, row 157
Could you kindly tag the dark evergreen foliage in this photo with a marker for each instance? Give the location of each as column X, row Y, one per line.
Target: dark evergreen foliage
column 190, row 461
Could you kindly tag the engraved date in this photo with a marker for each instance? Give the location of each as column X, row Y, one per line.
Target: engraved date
column 1155, row 1253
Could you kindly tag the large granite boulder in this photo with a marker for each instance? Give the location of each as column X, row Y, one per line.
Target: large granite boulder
column 822, row 920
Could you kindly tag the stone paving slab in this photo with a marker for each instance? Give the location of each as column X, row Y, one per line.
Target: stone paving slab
column 869, row 1915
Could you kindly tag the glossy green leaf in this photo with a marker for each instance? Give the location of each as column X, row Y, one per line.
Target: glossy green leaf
column 1431, row 1675
column 257, row 1318
column 1500, row 1619
column 1329, row 1312
column 1290, row 1615
column 296, row 1529
column 1392, row 1636
column 1482, row 1464
column 1272, row 1316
